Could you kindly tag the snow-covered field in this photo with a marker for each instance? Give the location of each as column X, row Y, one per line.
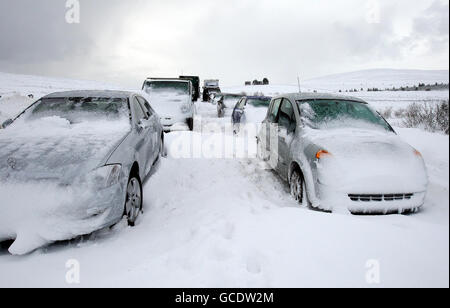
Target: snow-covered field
column 229, row 223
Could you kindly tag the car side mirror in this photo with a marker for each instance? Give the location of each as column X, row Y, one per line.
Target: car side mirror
column 140, row 126
column 7, row 123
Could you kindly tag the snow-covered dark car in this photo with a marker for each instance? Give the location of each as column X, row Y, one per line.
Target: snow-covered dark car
column 248, row 104
column 73, row 163
column 338, row 153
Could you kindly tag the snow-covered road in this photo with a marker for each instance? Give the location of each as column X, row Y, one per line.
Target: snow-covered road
column 229, row 223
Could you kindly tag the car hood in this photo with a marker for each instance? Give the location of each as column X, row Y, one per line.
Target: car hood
column 168, row 104
column 354, row 143
column 52, row 149
column 368, row 161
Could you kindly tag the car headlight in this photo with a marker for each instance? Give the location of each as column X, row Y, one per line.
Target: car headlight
column 322, row 153
column 417, row 153
column 106, row 176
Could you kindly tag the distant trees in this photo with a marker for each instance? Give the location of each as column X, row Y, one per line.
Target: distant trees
column 257, row 82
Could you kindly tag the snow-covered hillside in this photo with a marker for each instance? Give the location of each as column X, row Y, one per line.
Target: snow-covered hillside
column 40, row 86
column 365, row 79
column 378, row 78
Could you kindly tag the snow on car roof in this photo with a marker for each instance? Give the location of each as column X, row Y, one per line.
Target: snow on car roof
column 309, row 96
column 90, row 93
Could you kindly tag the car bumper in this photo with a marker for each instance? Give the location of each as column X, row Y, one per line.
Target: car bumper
column 369, row 201
column 47, row 213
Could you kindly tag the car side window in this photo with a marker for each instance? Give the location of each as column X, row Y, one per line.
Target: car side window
column 241, row 104
column 287, row 116
column 273, row 115
column 138, row 112
column 148, row 110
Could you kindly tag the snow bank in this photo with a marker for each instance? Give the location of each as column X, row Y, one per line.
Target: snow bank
column 227, row 223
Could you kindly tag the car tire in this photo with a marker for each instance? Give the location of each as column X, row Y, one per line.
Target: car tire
column 298, row 188
column 162, row 148
column 133, row 199
column 190, row 123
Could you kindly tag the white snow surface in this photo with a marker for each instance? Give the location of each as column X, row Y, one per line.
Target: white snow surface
column 228, row 223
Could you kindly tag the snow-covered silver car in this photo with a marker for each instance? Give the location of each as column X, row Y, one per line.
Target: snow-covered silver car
column 74, row 162
column 336, row 152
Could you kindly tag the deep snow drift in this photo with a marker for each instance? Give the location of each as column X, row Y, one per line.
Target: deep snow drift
column 229, row 223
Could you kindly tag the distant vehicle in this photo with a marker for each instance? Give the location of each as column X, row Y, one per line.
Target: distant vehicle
column 239, row 117
column 224, row 102
column 172, row 99
column 210, row 86
column 92, row 150
column 337, row 152
column 195, row 85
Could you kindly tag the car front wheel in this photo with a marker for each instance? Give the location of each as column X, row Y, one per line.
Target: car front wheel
column 298, row 188
column 133, row 201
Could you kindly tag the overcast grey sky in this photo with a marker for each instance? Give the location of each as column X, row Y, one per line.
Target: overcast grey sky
column 124, row 41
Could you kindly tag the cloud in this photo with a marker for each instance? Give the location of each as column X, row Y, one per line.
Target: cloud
column 236, row 40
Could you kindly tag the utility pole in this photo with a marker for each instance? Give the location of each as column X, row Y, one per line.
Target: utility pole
column 299, row 88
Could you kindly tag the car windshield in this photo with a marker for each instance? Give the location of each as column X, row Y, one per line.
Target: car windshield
column 258, row 102
column 80, row 109
column 330, row 114
column 167, row 86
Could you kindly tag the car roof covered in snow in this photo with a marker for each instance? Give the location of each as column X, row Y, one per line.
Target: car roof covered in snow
column 90, row 93
column 312, row 96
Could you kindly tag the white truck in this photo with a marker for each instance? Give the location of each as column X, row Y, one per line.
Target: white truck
column 210, row 86
column 172, row 100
